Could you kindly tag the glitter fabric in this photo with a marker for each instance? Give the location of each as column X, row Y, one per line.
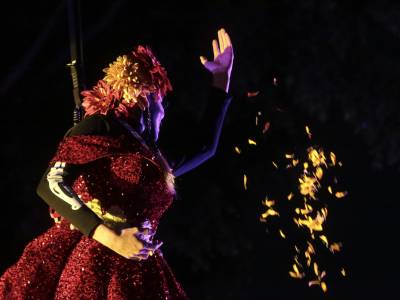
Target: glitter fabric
column 64, row 264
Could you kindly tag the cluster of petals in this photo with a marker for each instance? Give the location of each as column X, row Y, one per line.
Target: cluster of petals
column 127, row 83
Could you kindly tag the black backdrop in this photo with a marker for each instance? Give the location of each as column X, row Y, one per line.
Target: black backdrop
column 337, row 69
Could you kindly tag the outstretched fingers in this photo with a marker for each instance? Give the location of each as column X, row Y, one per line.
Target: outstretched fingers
column 227, row 39
column 215, row 48
column 221, row 39
column 223, row 53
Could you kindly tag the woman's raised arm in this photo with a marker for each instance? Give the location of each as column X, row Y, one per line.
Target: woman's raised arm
column 218, row 102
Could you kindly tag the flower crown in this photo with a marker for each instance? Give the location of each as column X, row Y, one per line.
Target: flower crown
column 127, row 83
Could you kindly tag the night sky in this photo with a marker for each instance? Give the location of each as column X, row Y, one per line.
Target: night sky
column 336, row 66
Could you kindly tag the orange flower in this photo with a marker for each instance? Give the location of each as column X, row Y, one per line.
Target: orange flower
column 127, row 83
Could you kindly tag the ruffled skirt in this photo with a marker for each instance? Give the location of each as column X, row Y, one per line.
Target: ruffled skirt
column 64, row 264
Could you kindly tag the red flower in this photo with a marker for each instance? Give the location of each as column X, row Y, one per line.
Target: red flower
column 101, row 99
column 158, row 81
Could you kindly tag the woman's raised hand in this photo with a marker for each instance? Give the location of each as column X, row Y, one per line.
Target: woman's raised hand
column 221, row 66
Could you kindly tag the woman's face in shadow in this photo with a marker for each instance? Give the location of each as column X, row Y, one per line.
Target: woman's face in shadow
column 157, row 114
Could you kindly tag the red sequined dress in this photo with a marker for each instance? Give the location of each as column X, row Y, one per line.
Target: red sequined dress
column 123, row 183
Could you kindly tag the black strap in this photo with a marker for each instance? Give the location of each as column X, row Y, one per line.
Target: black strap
column 76, row 50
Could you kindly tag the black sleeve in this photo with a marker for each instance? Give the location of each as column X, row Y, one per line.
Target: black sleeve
column 92, row 125
column 83, row 218
column 210, row 126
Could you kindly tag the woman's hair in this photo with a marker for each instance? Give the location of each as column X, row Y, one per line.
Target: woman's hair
column 127, row 83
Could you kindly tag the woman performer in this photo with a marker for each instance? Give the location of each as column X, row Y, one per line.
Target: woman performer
column 108, row 185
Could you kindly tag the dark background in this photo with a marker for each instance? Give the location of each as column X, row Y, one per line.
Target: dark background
column 337, row 66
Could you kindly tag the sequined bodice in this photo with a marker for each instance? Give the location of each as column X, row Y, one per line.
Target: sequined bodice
column 119, row 178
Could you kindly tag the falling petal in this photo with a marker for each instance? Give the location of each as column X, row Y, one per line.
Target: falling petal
column 252, row 94
column 251, row 142
column 282, row 234
column 330, row 189
column 308, row 132
column 237, row 150
column 275, row 81
column 316, row 269
column 289, row 155
column 343, row 272
column 324, row 239
column 307, row 254
column 333, row 158
column 310, row 248
column 340, row 194
column 319, row 173
column 269, row 212
column 290, row 196
column 295, row 268
column 245, row 181
column 324, row 287
column 275, row 165
column 269, row 203
column 335, row 247
column 266, row 127
column 256, row 121
column 308, row 257
column 313, row 282
column 324, row 212
column 295, row 275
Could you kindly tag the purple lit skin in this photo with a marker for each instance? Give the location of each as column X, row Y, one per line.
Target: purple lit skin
column 157, row 115
column 221, row 66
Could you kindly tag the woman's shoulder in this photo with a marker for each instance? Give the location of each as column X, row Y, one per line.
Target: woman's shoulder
column 91, row 139
column 96, row 124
